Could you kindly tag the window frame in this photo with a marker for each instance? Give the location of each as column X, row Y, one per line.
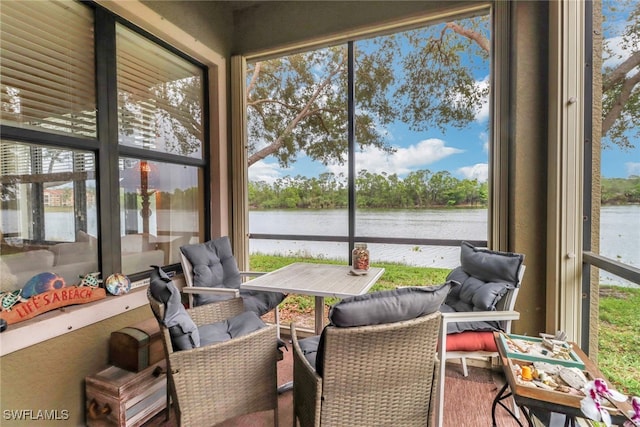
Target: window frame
column 498, row 210
column 216, row 198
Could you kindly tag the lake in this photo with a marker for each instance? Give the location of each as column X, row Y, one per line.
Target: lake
column 620, row 234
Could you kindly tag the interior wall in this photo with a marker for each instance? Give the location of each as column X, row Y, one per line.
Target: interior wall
column 209, row 22
column 266, row 25
column 50, row 375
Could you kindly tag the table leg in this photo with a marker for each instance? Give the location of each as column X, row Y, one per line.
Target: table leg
column 319, row 310
column 498, row 401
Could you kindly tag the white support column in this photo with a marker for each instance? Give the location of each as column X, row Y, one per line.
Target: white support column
column 239, row 174
column 565, row 155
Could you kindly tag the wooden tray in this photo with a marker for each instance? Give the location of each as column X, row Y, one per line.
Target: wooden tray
column 535, row 354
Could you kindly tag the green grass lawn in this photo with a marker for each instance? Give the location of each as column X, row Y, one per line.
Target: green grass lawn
column 619, row 338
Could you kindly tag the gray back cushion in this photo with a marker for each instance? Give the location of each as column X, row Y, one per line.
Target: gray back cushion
column 388, row 306
column 485, row 277
column 183, row 331
column 377, row 308
column 490, row 266
column 213, row 266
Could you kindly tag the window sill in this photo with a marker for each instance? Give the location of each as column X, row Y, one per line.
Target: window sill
column 68, row 319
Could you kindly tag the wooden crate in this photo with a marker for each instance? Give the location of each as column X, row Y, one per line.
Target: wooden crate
column 118, row 397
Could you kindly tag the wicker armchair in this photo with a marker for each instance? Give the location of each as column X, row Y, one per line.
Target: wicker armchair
column 378, row 375
column 219, row 381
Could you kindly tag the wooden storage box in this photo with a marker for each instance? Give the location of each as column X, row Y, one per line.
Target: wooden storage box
column 137, row 346
column 117, row 397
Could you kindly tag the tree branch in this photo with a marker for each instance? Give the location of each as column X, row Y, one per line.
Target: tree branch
column 619, row 73
column 254, row 78
column 617, row 106
column 471, row 35
column 304, row 112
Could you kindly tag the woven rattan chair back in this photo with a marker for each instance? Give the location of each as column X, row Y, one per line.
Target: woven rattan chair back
column 213, row 383
column 377, row 375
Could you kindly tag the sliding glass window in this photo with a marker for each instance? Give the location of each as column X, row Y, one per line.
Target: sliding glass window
column 160, row 110
column 382, row 140
column 66, row 167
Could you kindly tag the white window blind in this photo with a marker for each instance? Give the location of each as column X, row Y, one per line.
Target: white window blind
column 48, row 67
column 160, row 97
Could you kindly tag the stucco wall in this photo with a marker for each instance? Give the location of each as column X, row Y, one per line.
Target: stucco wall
column 50, row 375
column 281, row 23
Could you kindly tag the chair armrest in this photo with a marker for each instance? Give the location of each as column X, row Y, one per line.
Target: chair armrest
column 232, row 293
column 471, row 316
column 307, row 386
column 297, row 351
column 249, row 274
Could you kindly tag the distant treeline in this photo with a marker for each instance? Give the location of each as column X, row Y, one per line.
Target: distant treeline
column 420, row 189
column 620, row 191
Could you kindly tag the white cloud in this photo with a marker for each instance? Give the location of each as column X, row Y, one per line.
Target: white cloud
column 479, row 171
column 403, row 161
column 263, row 171
column 633, row 168
column 482, row 115
column 484, row 137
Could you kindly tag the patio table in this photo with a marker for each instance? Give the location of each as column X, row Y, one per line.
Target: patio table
column 318, row 280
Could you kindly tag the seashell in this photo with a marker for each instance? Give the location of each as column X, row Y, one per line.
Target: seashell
column 42, row 282
column 574, row 377
column 543, row 385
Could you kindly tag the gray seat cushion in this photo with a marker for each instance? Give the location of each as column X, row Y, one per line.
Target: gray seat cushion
column 309, row 347
column 485, row 277
column 183, row 331
column 215, row 266
column 237, row 326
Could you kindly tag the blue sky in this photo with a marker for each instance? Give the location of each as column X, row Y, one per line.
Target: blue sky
column 462, row 152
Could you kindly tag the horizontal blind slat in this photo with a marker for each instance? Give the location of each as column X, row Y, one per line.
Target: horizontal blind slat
column 48, row 66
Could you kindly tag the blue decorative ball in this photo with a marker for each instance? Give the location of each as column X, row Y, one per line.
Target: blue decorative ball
column 117, row 284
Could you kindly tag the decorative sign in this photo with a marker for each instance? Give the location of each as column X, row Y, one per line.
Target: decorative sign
column 51, row 300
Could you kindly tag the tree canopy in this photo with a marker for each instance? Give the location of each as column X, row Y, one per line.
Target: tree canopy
column 298, row 103
column 621, row 74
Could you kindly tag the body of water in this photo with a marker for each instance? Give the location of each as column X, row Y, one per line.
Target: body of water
column 620, row 234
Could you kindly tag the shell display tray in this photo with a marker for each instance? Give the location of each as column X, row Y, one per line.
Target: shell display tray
column 535, row 351
column 561, row 387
